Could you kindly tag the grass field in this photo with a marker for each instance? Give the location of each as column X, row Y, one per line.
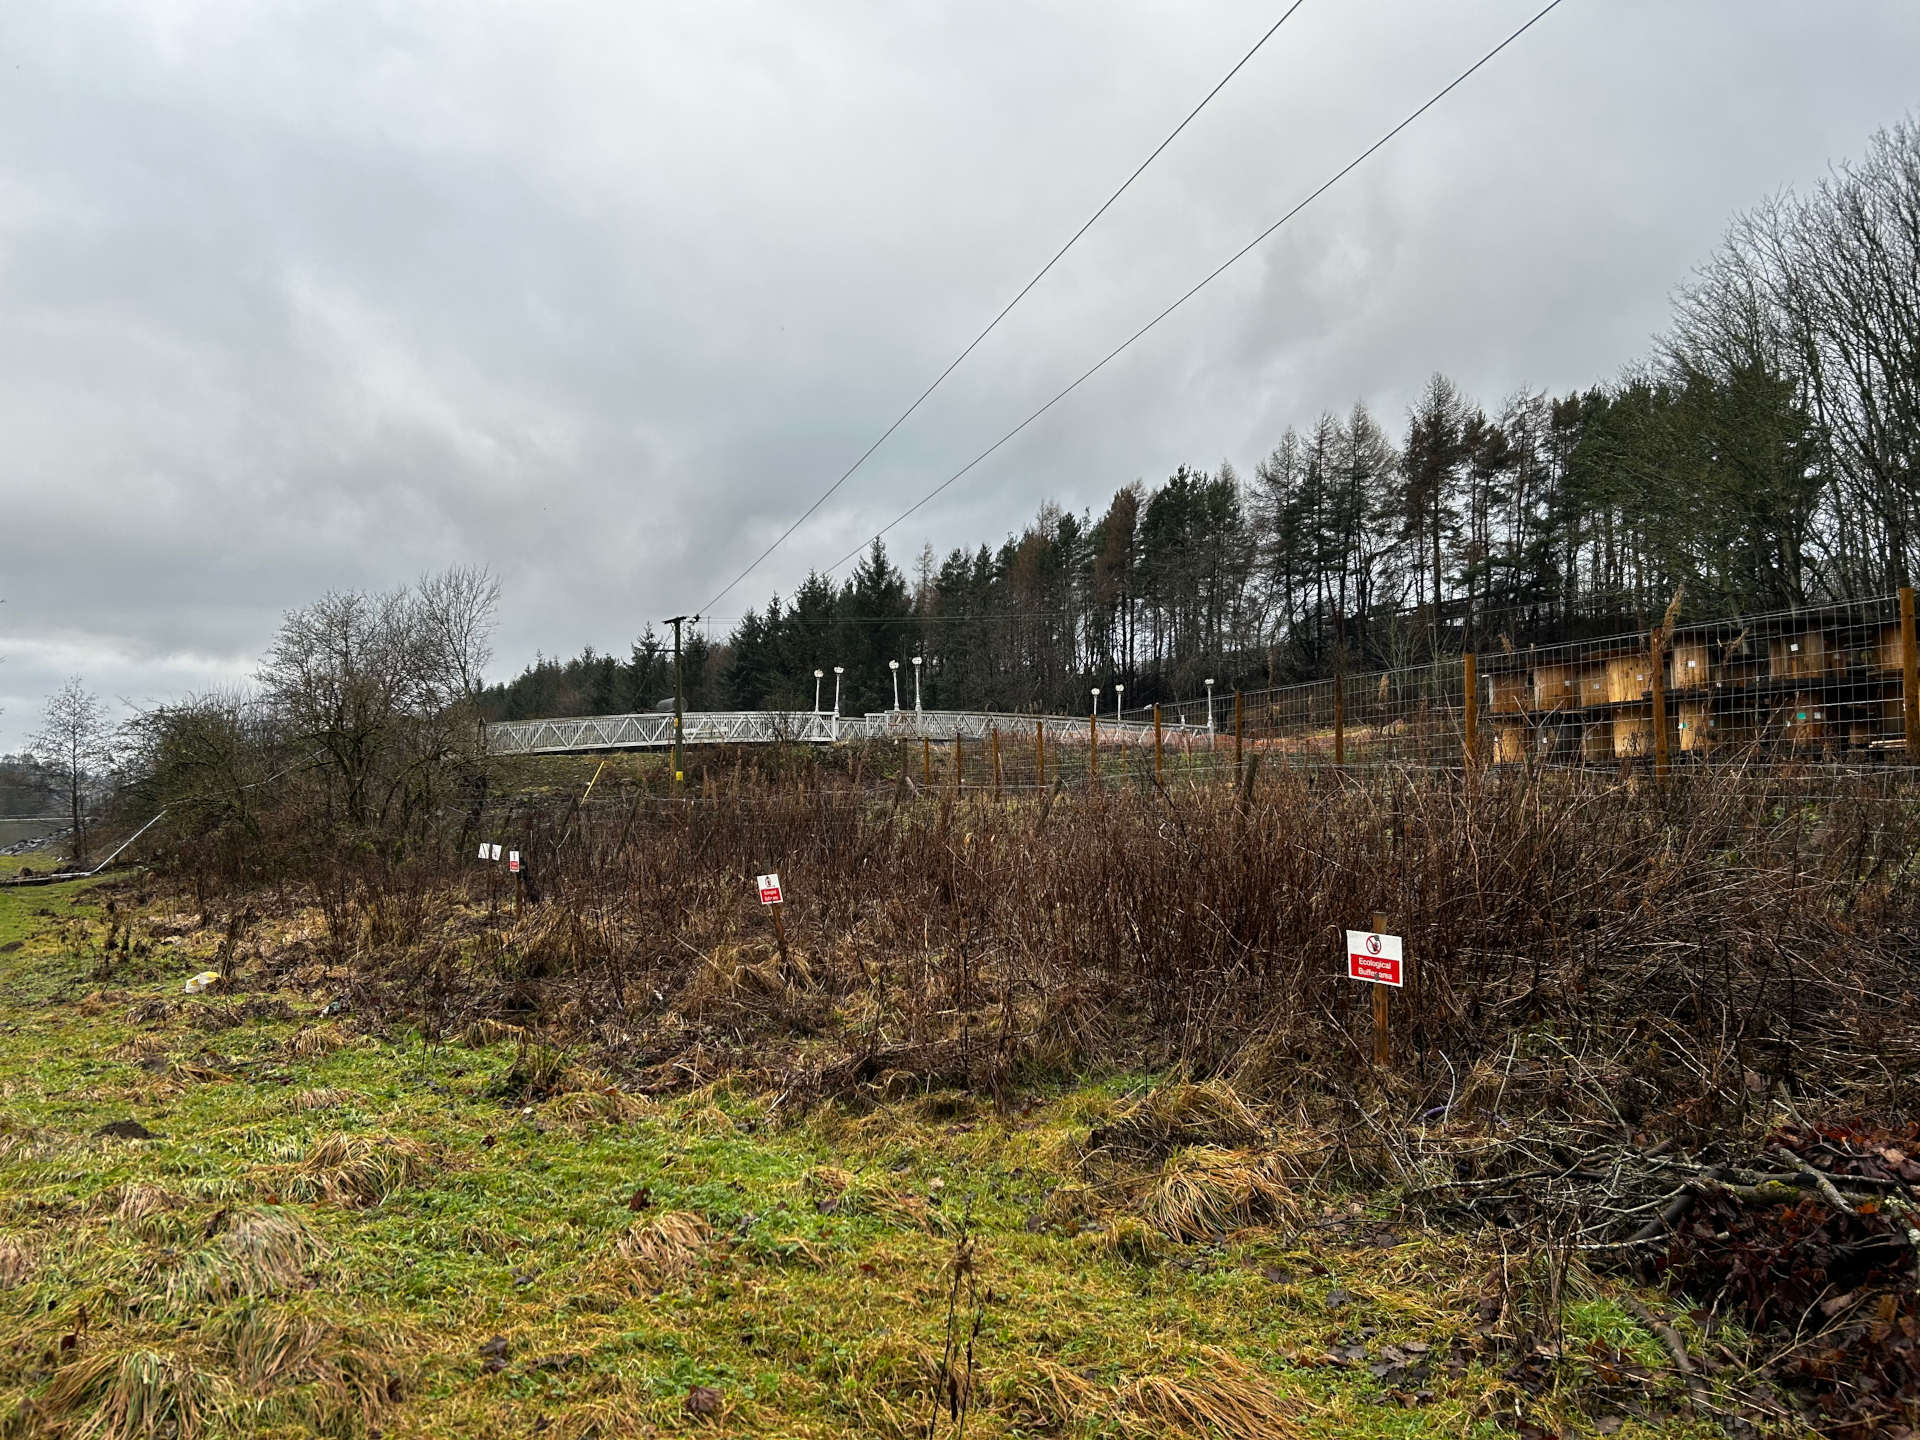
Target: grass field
column 326, row 1231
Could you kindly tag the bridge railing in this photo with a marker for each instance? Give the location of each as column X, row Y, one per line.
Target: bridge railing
column 654, row 730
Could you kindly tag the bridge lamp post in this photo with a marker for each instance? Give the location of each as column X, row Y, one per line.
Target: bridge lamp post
column 838, row 671
column 894, row 666
column 916, row 684
column 1096, row 701
column 818, row 676
column 1209, row 713
column 1119, row 692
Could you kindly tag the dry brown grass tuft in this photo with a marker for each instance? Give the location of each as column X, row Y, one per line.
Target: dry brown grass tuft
column 318, row 1040
column 1226, row 1398
column 1171, row 1116
column 344, row 1375
column 482, row 1033
column 665, row 1247
column 135, row 1394
column 17, row 1262
column 323, row 1097
column 1206, row 1192
column 265, row 1251
column 353, row 1169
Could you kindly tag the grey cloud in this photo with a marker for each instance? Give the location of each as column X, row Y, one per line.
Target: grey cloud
column 322, row 295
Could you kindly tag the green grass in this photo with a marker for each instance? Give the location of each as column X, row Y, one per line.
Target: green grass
column 206, row 1276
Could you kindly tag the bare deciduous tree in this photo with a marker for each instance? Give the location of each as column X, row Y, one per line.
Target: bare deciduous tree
column 75, row 738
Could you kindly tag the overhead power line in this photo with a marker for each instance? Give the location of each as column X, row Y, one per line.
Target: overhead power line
column 1210, row 277
column 1005, row 310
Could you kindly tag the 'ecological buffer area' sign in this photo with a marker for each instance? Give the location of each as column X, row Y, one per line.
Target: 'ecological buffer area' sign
column 1374, row 957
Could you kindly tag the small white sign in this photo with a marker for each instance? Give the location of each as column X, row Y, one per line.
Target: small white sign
column 1374, row 957
column 486, row 851
column 770, row 889
column 496, row 851
column 513, row 861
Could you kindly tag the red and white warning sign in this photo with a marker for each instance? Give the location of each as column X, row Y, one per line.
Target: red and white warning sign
column 770, row 889
column 1373, row 957
column 513, row 861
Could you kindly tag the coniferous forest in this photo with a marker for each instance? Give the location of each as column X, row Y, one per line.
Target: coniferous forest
column 1764, row 454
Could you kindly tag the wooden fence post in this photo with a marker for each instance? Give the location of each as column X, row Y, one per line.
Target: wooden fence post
column 956, row 760
column 1909, row 676
column 993, row 744
column 1239, row 730
column 1662, row 754
column 926, row 761
column 1040, row 752
column 1157, row 766
column 1471, row 724
column 1093, row 747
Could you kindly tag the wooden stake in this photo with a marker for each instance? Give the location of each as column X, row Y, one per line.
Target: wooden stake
column 1472, row 713
column 780, row 936
column 1093, row 747
column 1239, row 730
column 1157, row 766
column 1040, row 752
column 1909, row 675
column 993, row 744
column 1662, row 753
column 1382, row 1007
column 926, row 761
column 956, row 762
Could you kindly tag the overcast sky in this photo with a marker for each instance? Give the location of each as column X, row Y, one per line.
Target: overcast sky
column 299, row 296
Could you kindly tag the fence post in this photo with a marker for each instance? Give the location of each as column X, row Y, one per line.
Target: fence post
column 926, row 761
column 1040, row 752
column 1156, row 745
column 1239, row 730
column 993, row 744
column 1909, row 676
column 1662, row 755
column 1471, row 724
column 956, row 759
column 1093, row 747
column 1339, row 708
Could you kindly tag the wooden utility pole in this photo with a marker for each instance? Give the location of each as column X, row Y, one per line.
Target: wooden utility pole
column 1909, row 675
column 679, row 706
column 1157, row 767
column 1471, row 724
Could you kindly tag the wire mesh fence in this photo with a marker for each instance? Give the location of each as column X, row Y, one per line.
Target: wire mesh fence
column 1832, row 685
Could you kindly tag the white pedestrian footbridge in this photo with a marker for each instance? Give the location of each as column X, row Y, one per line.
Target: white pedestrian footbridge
column 654, row 729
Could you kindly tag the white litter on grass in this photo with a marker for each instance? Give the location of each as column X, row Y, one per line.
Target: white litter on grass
column 205, row 980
